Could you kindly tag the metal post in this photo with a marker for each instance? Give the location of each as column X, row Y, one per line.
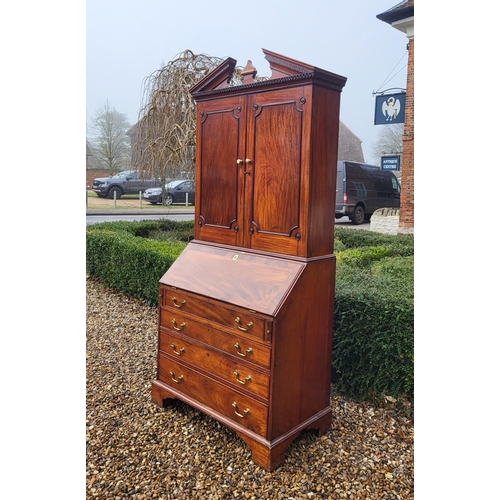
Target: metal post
column 114, row 197
column 186, row 199
column 140, row 199
column 87, row 198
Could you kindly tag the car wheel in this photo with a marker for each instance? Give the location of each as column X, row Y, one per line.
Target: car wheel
column 112, row 191
column 169, row 200
column 358, row 216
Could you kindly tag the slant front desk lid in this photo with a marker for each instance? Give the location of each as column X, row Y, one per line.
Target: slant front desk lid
column 250, row 280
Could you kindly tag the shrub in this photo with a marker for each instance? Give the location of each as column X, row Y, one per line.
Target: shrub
column 173, row 230
column 373, row 317
column 362, row 256
column 373, row 328
column 397, row 268
column 396, row 245
column 133, row 265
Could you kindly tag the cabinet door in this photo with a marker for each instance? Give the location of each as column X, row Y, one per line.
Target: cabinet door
column 220, row 143
column 273, row 185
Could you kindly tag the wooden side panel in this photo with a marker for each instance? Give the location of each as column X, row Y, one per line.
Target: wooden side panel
column 302, row 349
column 220, row 142
column 323, row 171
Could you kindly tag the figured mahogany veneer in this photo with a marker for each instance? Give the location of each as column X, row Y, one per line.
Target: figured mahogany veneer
column 246, row 311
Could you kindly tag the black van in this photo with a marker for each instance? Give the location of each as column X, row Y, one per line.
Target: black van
column 362, row 189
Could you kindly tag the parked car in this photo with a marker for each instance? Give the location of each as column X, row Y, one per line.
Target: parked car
column 362, row 189
column 125, row 182
column 176, row 193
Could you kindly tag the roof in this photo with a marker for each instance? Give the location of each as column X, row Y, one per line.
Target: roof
column 349, row 145
column 402, row 10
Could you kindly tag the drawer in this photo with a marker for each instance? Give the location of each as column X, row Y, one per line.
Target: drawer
column 215, row 362
column 232, row 317
column 241, row 347
column 233, row 404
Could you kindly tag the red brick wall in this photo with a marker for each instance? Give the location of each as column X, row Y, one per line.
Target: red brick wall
column 406, row 213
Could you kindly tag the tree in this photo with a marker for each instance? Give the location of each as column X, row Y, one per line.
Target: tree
column 109, row 141
column 164, row 146
column 389, row 141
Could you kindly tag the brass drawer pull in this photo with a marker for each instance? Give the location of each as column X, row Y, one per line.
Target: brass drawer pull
column 182, row 325
column 248, row 351
column 174, row 300
column 245, row 411
column 238, row 321
column 247, row 379
column 179, row 378
column 179, row 352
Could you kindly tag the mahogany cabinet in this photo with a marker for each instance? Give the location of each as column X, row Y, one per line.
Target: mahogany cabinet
column 246, row 311
column 265, row 156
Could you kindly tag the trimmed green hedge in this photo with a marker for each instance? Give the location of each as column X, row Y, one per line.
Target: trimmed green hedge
column 373, row 344
column 129, row 263
column 373, row 317
column 373, row 334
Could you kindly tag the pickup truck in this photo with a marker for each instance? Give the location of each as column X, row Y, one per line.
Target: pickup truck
column 126, row 182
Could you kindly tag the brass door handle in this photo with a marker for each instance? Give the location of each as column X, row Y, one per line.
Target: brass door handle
column 245, row 411
column 182, row 325
column 174, row 299
column 248, row 351
column 248, row 160
column 247, row 379
column 179, row 378
column 179, row 352
column 239, row 162
column 238, row 321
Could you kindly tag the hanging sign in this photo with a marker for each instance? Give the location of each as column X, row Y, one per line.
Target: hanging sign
column 390, row 163
column 390, row 108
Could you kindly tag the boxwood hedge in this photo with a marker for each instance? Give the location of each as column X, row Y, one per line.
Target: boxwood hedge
column 373, row 317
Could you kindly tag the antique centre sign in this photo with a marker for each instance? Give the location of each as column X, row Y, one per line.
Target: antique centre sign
column 390, row 163
column 390, row 108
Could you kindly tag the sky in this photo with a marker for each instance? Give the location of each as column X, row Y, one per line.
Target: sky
column 126, row 41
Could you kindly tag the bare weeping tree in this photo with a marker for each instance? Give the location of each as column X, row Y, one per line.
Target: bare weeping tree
column 108, row 139
column 389, row 141
column 164, row 147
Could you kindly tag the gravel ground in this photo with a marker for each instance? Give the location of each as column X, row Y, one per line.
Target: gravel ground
column 137, row 450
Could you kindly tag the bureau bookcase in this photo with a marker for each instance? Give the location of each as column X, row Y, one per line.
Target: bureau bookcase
column 246, row 311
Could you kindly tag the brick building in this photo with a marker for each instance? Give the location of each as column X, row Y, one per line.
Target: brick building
column 401, row 17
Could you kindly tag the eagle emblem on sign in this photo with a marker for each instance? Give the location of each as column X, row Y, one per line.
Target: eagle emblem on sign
column 391, row 108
